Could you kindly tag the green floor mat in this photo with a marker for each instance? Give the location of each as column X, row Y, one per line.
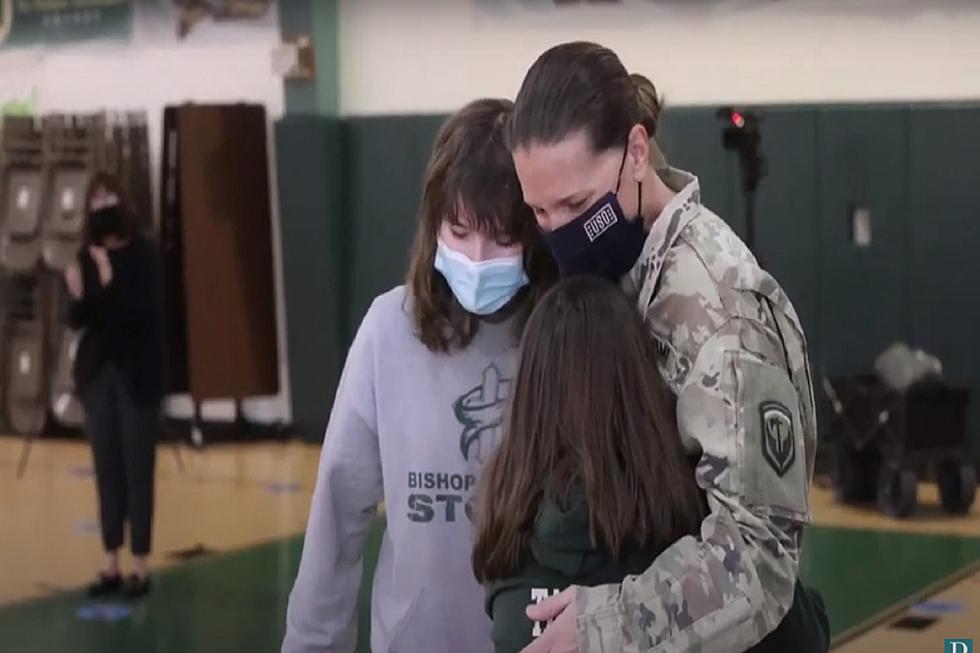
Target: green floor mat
column 237, row 601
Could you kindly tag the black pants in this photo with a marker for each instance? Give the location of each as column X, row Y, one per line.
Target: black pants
column 123, row 434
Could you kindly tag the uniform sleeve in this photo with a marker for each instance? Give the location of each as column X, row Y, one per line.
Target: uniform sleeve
column 729, row 588
column 322, row 610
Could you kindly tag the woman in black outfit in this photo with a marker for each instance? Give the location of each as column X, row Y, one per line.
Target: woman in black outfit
column 116, row 300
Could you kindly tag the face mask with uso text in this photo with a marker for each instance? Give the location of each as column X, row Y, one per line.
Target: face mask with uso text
column 481, row 287
column 600, row 241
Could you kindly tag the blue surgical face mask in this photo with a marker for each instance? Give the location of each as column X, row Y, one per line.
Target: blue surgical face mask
column 483, row 287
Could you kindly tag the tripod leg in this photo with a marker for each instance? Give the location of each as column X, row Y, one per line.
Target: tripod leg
column 197, row 432
column 241, row 423
column 750, row 223
column 25, row 453
column 178, row 457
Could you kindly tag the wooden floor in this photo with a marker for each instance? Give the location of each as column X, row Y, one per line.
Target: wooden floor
column 929, row 518
column 951, row 606
column 230, row 498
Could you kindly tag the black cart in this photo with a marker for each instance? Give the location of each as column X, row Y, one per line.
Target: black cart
column 884, row 439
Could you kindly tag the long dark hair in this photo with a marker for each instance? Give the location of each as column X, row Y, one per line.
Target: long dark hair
column 591, row 413
column 582, row 86
column 471, row 171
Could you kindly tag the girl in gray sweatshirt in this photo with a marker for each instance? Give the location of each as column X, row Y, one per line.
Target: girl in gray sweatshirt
column 419, row 409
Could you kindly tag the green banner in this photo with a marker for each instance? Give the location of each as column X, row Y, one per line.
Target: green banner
column 53, row 22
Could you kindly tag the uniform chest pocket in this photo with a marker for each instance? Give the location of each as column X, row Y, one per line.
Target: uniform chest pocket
column 771, row 450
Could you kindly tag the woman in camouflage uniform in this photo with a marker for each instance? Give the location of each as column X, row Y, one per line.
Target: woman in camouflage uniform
column 729, row 345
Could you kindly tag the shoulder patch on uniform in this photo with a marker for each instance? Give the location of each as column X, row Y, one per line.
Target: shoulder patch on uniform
column 778, row 443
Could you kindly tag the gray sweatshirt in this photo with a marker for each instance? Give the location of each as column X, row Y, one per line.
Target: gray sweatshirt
column 413, row 428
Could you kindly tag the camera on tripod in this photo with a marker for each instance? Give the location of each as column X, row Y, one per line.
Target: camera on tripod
column 740, row 133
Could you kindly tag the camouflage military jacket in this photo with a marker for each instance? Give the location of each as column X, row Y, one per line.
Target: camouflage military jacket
column 731, row 347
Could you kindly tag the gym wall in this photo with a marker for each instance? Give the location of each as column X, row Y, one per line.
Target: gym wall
column 431, row 56
column 907, row 160
column 215, row 63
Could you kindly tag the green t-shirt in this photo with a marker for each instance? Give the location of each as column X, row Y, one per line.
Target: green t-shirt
column 561, row 553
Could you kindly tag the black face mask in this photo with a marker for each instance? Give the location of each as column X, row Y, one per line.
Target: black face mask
column 601, row 241
column 105, row 222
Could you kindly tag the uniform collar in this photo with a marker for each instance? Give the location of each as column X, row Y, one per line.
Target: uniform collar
column 680, row 210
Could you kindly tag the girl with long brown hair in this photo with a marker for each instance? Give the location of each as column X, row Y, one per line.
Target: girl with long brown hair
column 591, row 482
column 419, row 407
column 591, row 476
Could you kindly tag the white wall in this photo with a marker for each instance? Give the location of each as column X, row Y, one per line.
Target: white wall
column 215, row 63
column 420, row 56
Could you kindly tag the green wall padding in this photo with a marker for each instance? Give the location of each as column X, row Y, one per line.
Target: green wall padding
column 786, row 211
column 943, row 225
column 862, row 159
column 315, row 234
column 386, row 162
column 914, row 167
column 691, row 139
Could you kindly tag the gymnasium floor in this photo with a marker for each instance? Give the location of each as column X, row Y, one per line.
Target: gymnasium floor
column 227, row 544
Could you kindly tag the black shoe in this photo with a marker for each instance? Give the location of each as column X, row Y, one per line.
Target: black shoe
column 104, row 585
column 136, row 587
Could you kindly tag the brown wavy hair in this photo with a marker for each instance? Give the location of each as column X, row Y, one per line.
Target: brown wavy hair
column 590, row 414
column 470, row 173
